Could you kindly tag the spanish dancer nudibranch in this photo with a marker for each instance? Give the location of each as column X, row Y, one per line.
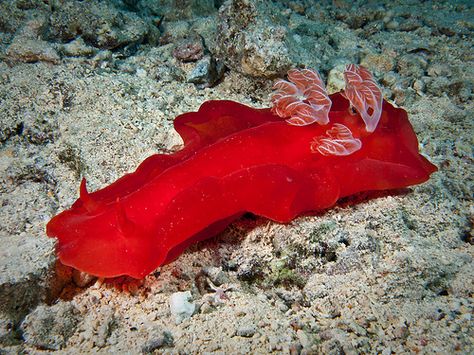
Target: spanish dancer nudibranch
column 303, row 154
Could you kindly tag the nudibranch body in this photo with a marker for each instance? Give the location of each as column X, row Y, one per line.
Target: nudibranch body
column 238, row 159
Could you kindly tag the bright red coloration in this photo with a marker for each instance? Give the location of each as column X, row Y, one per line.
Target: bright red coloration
column 235, row 159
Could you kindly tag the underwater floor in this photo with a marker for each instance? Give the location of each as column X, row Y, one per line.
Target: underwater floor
column 90, row 89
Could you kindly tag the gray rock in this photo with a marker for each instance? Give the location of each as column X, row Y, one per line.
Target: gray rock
column 412, row 65
column 77, row 48
column 206, row 27
column 26, row 275
column 216, row 275
column 263, row 39
column 456, row 88
column 246, row 331
column 174, row 31
column 99, row 24
column 27, row 45
column 169, row 73
column 176, row 10
column 11, row 17
column 206, row 73
column 24, row 49
column 189, row 49
column 50, row 327
column 157, row 338
column 249, row 43
column 439, row 70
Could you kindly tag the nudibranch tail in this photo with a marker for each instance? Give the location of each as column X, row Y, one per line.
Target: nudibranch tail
column 364, row 94
column 303, row 99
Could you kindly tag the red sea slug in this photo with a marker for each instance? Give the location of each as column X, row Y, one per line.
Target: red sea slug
column 238, row 159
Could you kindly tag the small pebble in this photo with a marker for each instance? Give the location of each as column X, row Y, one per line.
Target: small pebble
column 246, row 331
column 389, row 79
column 282, row 307
column 207, row 72
column 357, row 329
column 419, row 86
column 206, row 308
column 82, row 279
column 216, row 275
column 141, row 73
column 189, row 49
column 392, row 25
column 78, row 48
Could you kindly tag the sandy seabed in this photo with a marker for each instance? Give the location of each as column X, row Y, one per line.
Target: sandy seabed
column 392, row 274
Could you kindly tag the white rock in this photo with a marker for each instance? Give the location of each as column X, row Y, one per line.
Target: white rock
column 335, row 82
column 180, row 306
column 142, row 73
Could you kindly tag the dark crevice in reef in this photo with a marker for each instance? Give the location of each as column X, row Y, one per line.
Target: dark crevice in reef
column 9, row 132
